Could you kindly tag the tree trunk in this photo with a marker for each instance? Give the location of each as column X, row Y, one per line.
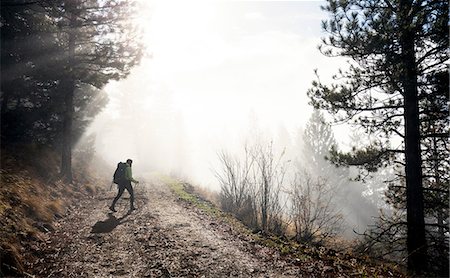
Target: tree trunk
column 414, row 192
column 416, row 243
column 69, row 89
column 66, row 159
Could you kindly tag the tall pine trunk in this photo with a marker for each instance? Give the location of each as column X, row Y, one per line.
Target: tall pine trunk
column 66, row 158
column 69, row 89
column 416, row 243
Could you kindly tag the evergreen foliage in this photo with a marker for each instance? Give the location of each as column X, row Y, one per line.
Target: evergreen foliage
column 394, row 88
column 318, row 143
column 56, row 58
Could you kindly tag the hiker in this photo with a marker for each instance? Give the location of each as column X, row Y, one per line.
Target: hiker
column 124, row 182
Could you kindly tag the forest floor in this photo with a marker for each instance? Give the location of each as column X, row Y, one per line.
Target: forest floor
column 164, row 237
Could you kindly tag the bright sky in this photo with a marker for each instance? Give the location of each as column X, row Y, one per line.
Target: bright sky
column 217, row 68
column 230, row 59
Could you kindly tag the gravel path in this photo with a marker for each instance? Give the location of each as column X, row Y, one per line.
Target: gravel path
column 164, row 237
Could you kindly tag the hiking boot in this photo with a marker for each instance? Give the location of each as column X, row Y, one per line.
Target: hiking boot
column 112, row 209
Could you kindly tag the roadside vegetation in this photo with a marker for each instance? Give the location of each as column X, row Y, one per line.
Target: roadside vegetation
column 313, row 258
column 32, row 197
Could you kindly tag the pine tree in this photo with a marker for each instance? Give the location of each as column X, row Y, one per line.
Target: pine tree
column 397, row 49
column 318, row 141
column 97, row 44
column 55, row 58
column 28, row 80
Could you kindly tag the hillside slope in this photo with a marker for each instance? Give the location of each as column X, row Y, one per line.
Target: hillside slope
column 32, row 198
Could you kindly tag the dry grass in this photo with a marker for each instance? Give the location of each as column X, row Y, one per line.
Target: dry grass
column 10, row 258
column 342, row 263
column 203, row 193
column 31, row 197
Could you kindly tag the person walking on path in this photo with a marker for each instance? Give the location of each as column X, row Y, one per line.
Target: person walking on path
column 125, row 183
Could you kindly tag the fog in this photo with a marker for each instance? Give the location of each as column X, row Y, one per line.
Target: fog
column 217, row 75
column 216, row 70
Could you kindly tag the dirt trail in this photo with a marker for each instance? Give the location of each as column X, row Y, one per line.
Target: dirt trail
column 164, row 237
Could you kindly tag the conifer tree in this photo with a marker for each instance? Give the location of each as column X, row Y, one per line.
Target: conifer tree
column 98, row 44
column 397, row 49
column 56, row 56
column 28, row 82
column 317, row 142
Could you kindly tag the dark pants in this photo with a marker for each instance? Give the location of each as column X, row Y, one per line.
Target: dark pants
column 122, row 186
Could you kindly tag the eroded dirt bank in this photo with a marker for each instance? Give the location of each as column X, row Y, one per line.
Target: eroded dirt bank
column 164, row 237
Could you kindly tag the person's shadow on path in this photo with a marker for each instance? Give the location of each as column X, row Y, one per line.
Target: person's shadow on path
column 109, row 224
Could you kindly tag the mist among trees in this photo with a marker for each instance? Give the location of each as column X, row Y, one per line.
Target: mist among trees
column 396, row 91
column 56, row 57
column 388, row 191
column 295, row 188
